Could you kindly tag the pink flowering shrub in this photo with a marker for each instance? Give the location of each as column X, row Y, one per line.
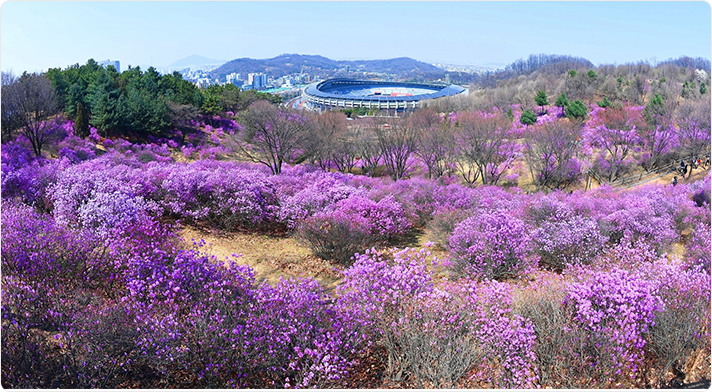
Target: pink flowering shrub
column 682, row 329
column 27, row 179
column 375, row 286
column 191, row 310
column 639, row 219
column 617, row 310
column 699, row 247
column 318, row 196
column 416, row 195
column 434, row 335
column 386, row 218
column 223, row 195
column 76, row 149
column 64, row 284
column 296, row 339
column 491, row 245
column 576, row 240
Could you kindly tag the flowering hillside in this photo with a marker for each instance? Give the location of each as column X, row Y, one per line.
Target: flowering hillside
column 569, row 287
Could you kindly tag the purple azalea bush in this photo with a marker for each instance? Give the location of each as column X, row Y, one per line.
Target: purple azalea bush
column 492, row 245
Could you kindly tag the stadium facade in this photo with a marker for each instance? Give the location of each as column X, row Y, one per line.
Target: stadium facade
column 381, row 95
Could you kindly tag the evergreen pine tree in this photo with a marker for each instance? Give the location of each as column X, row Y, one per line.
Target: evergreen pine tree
column 528, row 117
column 541, row 99
column 81, row 125
column 576, row 109
column 562, row 102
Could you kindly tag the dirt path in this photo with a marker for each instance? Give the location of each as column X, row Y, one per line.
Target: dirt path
column 697, row 175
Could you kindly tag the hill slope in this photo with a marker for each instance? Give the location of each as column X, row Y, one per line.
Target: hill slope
column 318, row 65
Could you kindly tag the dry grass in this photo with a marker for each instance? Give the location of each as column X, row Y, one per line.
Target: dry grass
column 271, row 257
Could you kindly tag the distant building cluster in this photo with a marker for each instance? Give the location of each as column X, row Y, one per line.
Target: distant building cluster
column 107, row 63
column 256, row 81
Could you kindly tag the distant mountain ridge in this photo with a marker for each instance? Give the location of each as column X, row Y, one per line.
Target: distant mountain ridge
column 194, row 60
column 286, row 64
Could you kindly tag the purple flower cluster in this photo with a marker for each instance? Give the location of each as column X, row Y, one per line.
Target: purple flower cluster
column 617, row 309
column 575, row 240
column 492, row 245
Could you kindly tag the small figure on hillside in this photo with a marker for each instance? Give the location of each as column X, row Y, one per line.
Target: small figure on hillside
column 674, row 181
column 682, row 169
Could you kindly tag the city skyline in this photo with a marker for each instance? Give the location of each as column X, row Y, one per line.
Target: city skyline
column 36, row 36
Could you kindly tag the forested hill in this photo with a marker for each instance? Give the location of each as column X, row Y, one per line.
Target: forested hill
column 318, row 65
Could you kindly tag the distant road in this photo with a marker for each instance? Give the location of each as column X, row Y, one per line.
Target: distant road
column 296, row 103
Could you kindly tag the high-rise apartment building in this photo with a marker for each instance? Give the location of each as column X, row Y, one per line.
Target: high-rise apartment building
column 107, row 63
column 257, row 80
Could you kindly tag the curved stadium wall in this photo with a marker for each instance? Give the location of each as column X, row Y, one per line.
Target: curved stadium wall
column 381, row 95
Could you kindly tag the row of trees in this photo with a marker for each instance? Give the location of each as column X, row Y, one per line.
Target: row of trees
column 628, row 84
column 140, row 102
column 481, row 146
column 116, row 104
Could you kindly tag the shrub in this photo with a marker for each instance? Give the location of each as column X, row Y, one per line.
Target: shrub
column 333, row 236
column 432, row 335
column 191, row 311
column 221, row 194
column 416, row 195
column 554, row 347
column 442, row 334
column 492, row 246
column 699, row 248
column 386, row 218
column 640, row 219
column 576, row 240
column 433, row 342
column 616, row 309
column 294, row 338
column 27, row 178
column 315, row 197
column 682, row 330
column 444, row 221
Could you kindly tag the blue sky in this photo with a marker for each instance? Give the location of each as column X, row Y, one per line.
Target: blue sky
column 35, row 36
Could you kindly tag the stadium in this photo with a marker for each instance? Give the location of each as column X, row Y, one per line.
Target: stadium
column 384, row 96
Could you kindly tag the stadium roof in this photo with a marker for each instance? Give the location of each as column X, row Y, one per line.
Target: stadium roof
column 330, row 89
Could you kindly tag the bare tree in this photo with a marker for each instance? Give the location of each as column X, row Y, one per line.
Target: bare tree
column 486, row 146
column 367, row 146
column 32, row 100
column 397, row 141
column 180, row 115
column 550, row 150
column 329, row 128
column 10, row 119
column 433, row 142
column 273, row 136
column 615, row 135
column 345, row 151
column 693, row 119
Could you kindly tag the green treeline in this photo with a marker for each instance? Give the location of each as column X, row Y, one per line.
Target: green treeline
column 140, row 102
